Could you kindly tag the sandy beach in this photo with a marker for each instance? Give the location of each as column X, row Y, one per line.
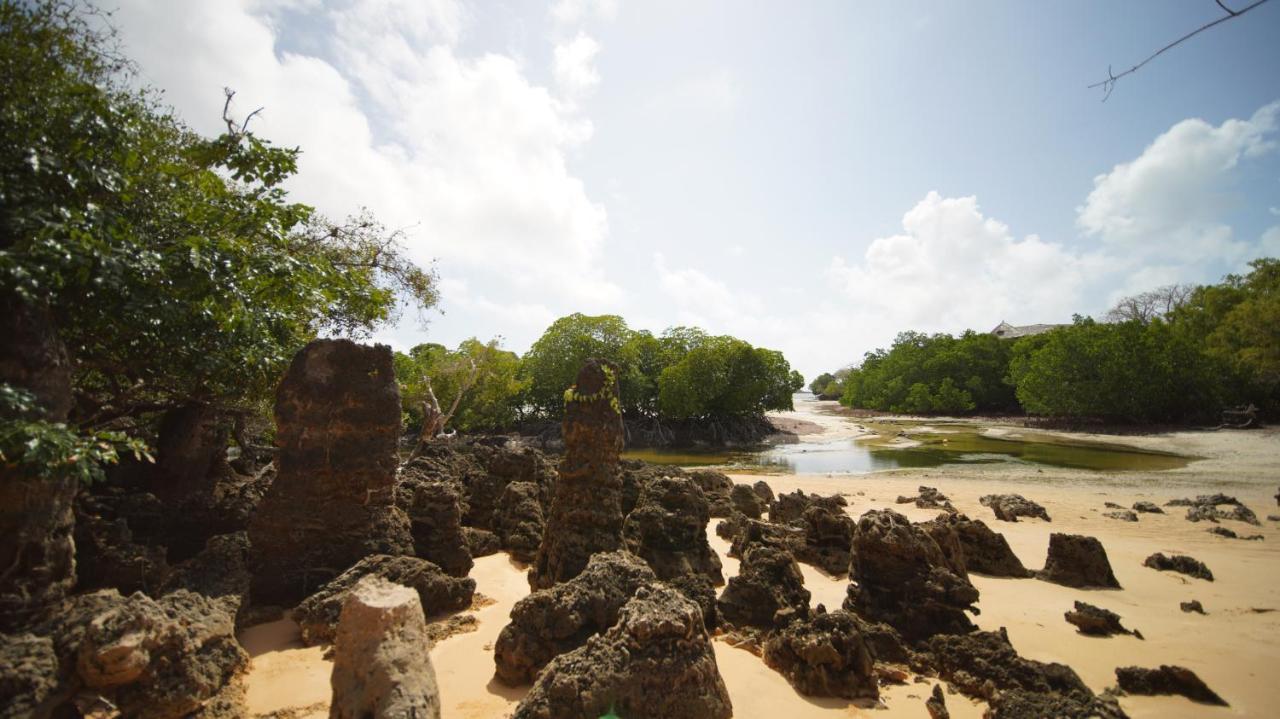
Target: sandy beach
column 1232, row 648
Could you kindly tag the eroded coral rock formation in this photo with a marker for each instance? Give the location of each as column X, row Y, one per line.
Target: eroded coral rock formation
column 936, row 704
column 667, row 529
column 1078, row 561
column 318, row 614
column 984, row 550
column 746, row 500
column 767, row 592
column 1179, row 563
column 900, row 576
column 481, row 542
column 824, row 656
column 764, row 491
column 381, row 658
column 656, row 662
column 928, row 498
column 791, row 506
column 553, row 621
column 1205, row 508
column 36, row 547
column 717, row 487
column 586, row 511
column 1147, row 508
column 1123, row 515
column 518, row 520
column 332, row 503
column 1167, row 679
column 1008, row 507
column 28, row 676
column 1096, row 621
column 435, row 511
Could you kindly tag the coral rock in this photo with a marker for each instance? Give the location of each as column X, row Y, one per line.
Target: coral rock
column 1095, row 620
column 518, row 520
column 768, row 591
column 983, row 550
column 1167, row 680
column 435, row 518
column 1008, row 507
column 1078, row 561
column 1179, row 563
column 667, row 529
column 825, row 656
column 745, row 500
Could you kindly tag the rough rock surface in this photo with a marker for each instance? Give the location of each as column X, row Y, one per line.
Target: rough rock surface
column 1229, row 534
column 1192, row 606
column 1147, row 508
column 1166, row 680
column 744, row 499
column 765, row 492
column 481, row 542
column 381, row 657
column 1095, row 621
column 768, row 591
column 716, row 486
column 28, row 676
column 900, row 576
column 824, row 656
column 518, row 520
column 928, row 498
column 656, row 662
column 1008, row 507
column 936, row 704
column 1180, row 563
column 984, row 550
column 435, row 511
column 189, row 441
column 746, row 532
column 1077, row 561
column 550, row 622
column 107, row 557
column 667, row 529
column 791, row 506
column 828, row 536
column 1205, row 507
column 636, row 474
column 984, row 665
column 37, row 521
column 220, row 572
column 586, row 512
column 318, row 614
column 1123, row 515
column 332, row 503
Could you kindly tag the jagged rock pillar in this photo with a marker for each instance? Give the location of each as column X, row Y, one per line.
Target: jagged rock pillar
column 332, row 503
column 37, row 554
column 586, row 511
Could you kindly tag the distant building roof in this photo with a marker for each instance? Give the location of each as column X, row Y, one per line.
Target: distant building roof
column 1008, row 331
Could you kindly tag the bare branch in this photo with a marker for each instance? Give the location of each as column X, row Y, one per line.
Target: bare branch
column 232, row 128
column 1109, row 84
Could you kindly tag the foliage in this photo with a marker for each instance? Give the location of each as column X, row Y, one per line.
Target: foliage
column 938, row 373
column 552, row 364
column 32, row 446
column 492, row 403
column 821, row 382
column 726, row 377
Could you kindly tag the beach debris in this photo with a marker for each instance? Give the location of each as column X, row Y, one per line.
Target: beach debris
column 481, row 542
column 1180, row 563
column 1147, row 508
column 1230, row 534
column 318, row 615
column 657, row 661
column 824, row 656
column 900, row 576
column 1192, row 606
column 1008, row 507
column 984, row 665
column 382, row 656
column 763, row 490
column 519, row 521
column 1123, row 515
column 586, row 510
column 337, row 416
column 1205, row 507
column 982, row 549
column 768, row 590
column 936, row 704
column 435, row 520
column 667, row 529
column 928, row 498
column 1097, row 621
column 745, row 500
column 550, row 622
column 1166, row 679
column 1078, row 561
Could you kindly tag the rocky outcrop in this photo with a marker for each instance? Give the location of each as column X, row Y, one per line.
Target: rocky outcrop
column 900, row 576
column 318, row 614
column 481, row 542
column 824, row 656
column 1147, row 508
column 586, row 511
column 518, row 520
column 109, row 558
column 1179, row 563
column 765, row 492
column 28, row 676
column 553, row 621
column 744, row 499
column 435, row 519
column 1167, row 680
column 791, row 506
column 220, row 572
column 828, row 535
column 717, row 487
column 1096, row 621
column 984, row 665
column 667, row 529
column 768, row 591
column 1205, row 508
column 381, row 656
column 636, row 474
column 190, row 440
column 928, row 498
column 1008, row 507
column 337, row 428
column 656, row 662
column 983, row 550
column 1078, row 561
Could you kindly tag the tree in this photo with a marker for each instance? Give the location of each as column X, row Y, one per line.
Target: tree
column 819, row 383
column 479, row 381
column 553, row 361
column 1146, row 306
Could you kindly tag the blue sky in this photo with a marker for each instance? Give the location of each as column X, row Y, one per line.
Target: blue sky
column 812, row 177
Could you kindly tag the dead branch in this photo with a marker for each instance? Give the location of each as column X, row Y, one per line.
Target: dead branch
column 232, row 128
column 1109, row 84
column 433, row 420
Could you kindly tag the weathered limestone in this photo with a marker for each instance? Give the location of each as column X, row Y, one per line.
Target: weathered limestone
column 28, row 676
column 190, row 440
column 435, row 520
column 828, row 536
column 984, row 550
column 900, row 576
column 1077, row 561
column 656, row 662
column 381, row 659
column 332, row 503
column 667, row 529
column 716, row 485
column 1096, row 621
column 586, row 511
column 553, row 621
column 767, row 592
column 1008, row 507
column 518, row 520
column 825, row 656
column 1180, row 563
column 745, row 500
column 318, row 615
column 1167, row 680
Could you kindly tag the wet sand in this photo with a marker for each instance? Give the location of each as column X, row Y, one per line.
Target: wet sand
column 1233, row 649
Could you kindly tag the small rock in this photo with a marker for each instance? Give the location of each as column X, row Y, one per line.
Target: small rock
column 1179, row 563
column 936, row 704
column 1192, row 606
column 1008, row 507
column 1123, row 515
column 1147, row 508
column 481, row 542
column 763, row 490
column 1166, row 680
column 745, row 499
column 1112, row 505
column 1078, row 561
column 1095, row 621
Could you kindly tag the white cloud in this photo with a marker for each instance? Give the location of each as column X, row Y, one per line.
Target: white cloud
column 1171, row 200
column 1269, row 245
column 575, row 66
column 573, row 12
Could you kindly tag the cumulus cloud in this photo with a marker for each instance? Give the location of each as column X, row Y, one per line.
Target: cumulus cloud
column 575, row 65
column 1171, row 200
column 574, row 12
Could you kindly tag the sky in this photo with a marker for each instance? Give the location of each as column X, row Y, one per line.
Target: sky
column 812, row 177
